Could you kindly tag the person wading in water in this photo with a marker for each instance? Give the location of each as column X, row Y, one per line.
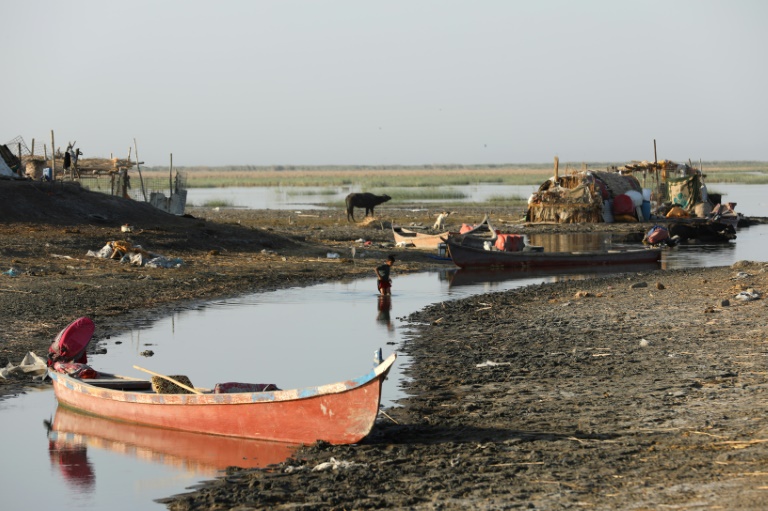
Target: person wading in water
column 382, row 273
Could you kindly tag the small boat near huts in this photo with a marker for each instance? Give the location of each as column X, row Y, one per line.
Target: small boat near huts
column 471, row 256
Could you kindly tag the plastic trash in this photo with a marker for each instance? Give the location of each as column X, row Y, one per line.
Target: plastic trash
column 748, row 295
column 12, row 272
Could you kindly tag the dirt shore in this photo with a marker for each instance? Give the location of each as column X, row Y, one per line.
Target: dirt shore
column 637, row 391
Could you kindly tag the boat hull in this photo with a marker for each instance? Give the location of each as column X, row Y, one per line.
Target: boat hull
column 339, row 413
column 473, row 257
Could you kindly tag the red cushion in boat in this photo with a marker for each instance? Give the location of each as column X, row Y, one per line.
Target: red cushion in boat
column 70, row 344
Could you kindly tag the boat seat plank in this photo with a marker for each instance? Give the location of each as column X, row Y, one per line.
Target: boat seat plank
column 119, row 384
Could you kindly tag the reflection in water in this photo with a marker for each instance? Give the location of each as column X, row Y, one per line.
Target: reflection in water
column 471, row 277
column 72, row 433
column 693, row 253
column 71, row 458
column 571, row 242
column 384, row 308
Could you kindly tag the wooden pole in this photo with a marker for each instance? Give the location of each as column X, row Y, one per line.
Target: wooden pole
column 557, row 167
column 53, row 158
column 185, row 387
column 138, row 167
column 170, row 183
column 660, row 195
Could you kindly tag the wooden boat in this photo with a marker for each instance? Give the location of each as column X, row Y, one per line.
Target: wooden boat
column 338, row 413
column 71, row 429
column 465, row 256
column 484, row 229
column 418, row 239
column 480, row 232
column 478, row 235
column 725, row 214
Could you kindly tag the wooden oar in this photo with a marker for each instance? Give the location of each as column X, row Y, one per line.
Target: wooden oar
column 195, row 391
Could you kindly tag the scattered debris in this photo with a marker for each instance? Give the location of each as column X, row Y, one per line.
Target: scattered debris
column 491, row 363
column 135, row 255
column 748, row 295
column 31, row 364
column 334, row 464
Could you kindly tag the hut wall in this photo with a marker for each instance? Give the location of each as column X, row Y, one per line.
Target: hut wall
column 565, row 213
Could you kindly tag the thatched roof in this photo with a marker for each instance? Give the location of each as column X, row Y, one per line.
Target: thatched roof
column 616, row 183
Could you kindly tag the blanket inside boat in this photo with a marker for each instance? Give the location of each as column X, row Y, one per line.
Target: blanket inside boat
column 234, row 387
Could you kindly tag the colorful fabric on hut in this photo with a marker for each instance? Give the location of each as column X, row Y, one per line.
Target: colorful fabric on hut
column 684, row 192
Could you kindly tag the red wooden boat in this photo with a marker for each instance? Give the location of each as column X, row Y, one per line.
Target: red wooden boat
column 465, row 256
column 338, row 413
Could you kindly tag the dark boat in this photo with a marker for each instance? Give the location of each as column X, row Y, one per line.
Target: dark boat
column 471, row 256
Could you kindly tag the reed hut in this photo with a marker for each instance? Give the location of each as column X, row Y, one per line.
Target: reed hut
column 677, row 184
column 567, row 199
column 592, row 196
column 579, row 196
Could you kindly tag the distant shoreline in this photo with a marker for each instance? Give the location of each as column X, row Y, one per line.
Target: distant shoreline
column 381, row 177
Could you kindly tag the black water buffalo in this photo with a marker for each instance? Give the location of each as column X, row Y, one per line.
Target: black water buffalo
column 364, row 200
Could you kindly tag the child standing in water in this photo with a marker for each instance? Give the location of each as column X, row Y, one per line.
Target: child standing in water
column 382, row 273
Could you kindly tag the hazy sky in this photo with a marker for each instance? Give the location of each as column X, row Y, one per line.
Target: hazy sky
column 295, row 82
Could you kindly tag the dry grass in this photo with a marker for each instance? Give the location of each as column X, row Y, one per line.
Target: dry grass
column 420, row 176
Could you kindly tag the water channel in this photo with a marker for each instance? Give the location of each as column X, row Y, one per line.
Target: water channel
column 294, row 337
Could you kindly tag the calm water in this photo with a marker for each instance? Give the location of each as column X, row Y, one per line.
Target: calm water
column 751, row 200
column 320, row 198
column 294, row 337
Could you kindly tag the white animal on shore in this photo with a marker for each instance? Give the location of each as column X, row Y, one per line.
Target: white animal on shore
column 440, row 222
